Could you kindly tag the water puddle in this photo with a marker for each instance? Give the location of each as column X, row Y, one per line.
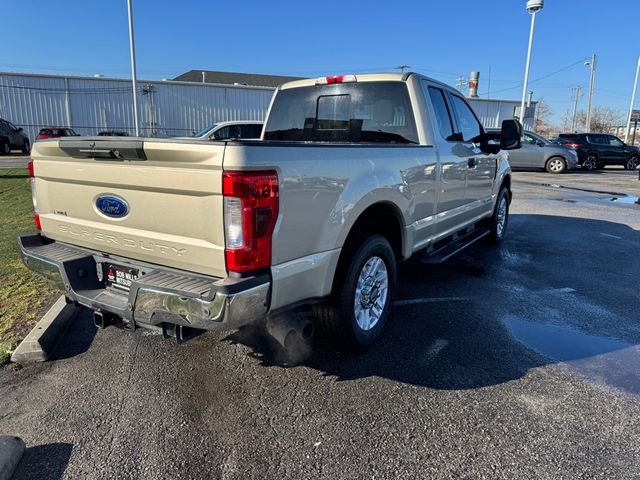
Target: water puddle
column 626, row 200
column 600, row 359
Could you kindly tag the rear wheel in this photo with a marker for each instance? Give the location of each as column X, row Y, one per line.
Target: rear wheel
column 632, row 163
column 26, row 147
column 590, row 161
column 363, row 295
column 5, row 147
column 556, row 165
column 498, row 222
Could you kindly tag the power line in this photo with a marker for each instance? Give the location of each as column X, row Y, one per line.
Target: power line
column 545, row 76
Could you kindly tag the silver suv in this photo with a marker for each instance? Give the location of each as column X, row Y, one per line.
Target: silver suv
column 12, row 138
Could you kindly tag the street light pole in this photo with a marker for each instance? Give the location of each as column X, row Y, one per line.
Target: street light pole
column 591, row 80
column 132, row 49
column 633, row 101
column 533, row 7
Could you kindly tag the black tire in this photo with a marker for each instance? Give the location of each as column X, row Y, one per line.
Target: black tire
column 632, row 163
column 556, row 165
column 590, row 161
column 336, row 317
column 497, row 224
column 601, row 165
column 26, row 147
column 5, row 147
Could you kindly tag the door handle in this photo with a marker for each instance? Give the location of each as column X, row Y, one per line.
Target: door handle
column 472, row 163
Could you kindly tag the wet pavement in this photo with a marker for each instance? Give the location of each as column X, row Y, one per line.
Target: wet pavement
column 515, row 362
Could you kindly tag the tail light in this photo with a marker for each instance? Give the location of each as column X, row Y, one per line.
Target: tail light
column 250, row 214
column 32, row 179
column 573, row 145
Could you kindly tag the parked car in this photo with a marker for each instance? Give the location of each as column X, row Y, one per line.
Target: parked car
column 55, row 132
column 353, row 174
column 538, row 152
column 227, row 130
column 12, row 138
column 113, row 133
column 597, row 150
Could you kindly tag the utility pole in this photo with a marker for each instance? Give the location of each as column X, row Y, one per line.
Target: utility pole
column 132, row 49
column 591, row 80
column 633, row 100
column 577, row 95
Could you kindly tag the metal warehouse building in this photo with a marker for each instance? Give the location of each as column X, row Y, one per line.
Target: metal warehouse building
column 88, row 105
column 166, row 108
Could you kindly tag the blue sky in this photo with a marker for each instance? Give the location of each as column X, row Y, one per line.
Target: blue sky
column 443, row 39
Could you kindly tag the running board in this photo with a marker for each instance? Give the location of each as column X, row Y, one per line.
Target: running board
column 450, row 249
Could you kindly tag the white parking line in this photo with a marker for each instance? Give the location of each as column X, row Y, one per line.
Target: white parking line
column 416, row 301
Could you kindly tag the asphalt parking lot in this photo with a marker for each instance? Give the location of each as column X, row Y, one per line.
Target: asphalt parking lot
column 517, row 362
column 14, row 161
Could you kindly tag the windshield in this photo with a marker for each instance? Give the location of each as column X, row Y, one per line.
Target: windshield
column 371, row 112
column 205, row 130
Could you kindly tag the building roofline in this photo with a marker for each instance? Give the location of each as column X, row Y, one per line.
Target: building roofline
column 128, row 80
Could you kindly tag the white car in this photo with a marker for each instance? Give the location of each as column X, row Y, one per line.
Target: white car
column 228, row 130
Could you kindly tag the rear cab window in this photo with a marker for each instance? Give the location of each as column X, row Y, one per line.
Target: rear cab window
column 365, row 112
column 442, row 114
column 468, row 126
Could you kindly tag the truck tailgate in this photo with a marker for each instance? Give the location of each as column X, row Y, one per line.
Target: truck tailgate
column 171, row 192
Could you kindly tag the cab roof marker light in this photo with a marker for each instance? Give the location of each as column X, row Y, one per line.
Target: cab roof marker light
column 336, row 79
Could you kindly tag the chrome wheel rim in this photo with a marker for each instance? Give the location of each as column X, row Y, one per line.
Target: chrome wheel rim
column 556, row 165
column 633, row 163
column 501, row 223
column 6, row 148
column 590, row 163
column 371, row 293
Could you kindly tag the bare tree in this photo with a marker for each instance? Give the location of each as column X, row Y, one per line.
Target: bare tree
column 603, row 119
column 542, row 125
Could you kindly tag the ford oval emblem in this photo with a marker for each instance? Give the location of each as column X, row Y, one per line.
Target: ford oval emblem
column 112, row 206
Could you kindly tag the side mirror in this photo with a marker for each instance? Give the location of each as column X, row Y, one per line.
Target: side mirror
column 19, row 129
column 511, row 135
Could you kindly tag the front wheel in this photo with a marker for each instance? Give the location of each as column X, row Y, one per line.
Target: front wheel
column 556, row 165
column 361, row 303
column 632, row 163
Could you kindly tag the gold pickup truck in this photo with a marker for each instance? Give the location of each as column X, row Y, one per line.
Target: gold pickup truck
column 352, row 174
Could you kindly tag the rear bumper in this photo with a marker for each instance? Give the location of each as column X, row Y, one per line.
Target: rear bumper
column 159, row 296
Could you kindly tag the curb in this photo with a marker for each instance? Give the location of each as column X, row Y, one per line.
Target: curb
column 11, row 450
column 40, row 342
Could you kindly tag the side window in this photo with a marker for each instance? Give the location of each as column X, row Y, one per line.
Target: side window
column 251, row 131
column 528, row 139
column 222, row 133
column 468, row 125
column 615, row 142
column 443, row 118
column 597, row 140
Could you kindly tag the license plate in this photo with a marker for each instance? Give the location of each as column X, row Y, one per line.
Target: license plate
column 120, row 277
